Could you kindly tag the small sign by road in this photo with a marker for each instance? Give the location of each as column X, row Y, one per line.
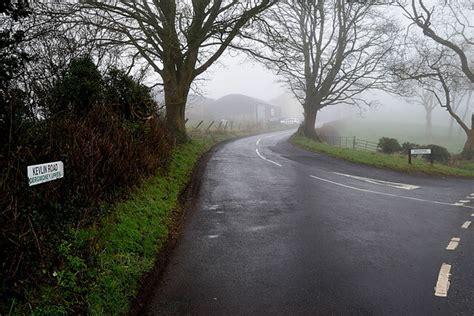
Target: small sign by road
column 421, row 151
column 45, row 172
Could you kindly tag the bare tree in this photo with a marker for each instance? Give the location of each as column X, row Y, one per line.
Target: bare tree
column 434, row 68
column 327, row 52
column 180, row 40
column 449, row 26
column 427, row 100
column 457, row 34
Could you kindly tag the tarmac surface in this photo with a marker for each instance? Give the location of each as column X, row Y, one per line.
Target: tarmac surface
column 279, row 230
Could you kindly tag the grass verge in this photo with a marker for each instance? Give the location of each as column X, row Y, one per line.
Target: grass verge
column 139, row 228
column 379, row 160
column 102, row 265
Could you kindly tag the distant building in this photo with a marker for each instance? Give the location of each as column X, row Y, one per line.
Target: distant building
column 290, row 121
column 237, row 107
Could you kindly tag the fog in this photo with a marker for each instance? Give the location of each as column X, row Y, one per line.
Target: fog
column 391, row 117
column 236, row 74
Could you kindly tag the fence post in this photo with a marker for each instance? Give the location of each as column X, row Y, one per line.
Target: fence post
column 220, row 124
column 409, row 156
column 231, row 125
column 209, row 126
column 197, row 126
column 354, row 143
column 225, row 127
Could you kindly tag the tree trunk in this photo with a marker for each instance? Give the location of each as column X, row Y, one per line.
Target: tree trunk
column 175, row 103
column 468, row 151
column 307, row 127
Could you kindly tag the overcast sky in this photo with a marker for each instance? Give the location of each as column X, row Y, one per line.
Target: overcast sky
column 236, row 74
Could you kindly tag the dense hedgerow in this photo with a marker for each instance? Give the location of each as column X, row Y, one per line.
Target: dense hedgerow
column 108, row 142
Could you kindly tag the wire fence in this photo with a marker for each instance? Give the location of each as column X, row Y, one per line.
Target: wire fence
column 230, row 126
column 351, row 142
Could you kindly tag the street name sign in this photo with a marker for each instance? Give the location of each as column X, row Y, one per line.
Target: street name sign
column 45, row 172
column 420, row 151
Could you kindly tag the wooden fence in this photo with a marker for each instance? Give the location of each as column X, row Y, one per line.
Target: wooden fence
column 351, row 142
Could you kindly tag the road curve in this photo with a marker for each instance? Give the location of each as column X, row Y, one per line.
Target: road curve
column 279, row 230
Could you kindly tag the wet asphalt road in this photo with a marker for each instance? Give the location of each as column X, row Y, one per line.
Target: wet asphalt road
column 298, row 234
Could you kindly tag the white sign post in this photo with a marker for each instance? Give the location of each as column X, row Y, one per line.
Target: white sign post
column 45, row 172
column 420, row 151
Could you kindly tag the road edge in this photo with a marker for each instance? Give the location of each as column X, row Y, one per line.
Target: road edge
column 187, row 203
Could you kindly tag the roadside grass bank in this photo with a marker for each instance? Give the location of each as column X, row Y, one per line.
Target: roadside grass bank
column 384, row 161
column 103, row 264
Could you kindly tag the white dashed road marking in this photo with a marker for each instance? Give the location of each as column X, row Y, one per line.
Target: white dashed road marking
column 464, row 201
column 454, row 243
column 442, row 285
column 212, row 236
column 268, row 160
column 466, row 224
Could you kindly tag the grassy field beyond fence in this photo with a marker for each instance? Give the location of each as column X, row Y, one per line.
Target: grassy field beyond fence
column 394, row 162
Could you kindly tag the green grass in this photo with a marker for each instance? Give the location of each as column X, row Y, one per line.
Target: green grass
column 379, row 160
column 128, row 242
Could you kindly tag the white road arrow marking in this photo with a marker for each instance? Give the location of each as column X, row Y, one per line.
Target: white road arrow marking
column 381, row 182
column 389, row 194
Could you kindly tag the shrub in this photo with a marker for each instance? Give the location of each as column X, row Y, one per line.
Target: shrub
column 127, row 97
column 389, row 145
column 406, row 146
column 79, row 89
column 439, row 153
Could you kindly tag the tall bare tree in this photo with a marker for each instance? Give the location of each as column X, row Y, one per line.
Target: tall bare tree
column 434, row 68
column 179, row 39
column 427, row 100
column 451, row 25
column 327, row 52
column 448, row 25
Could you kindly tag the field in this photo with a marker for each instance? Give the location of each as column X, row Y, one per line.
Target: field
column 404, row 132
